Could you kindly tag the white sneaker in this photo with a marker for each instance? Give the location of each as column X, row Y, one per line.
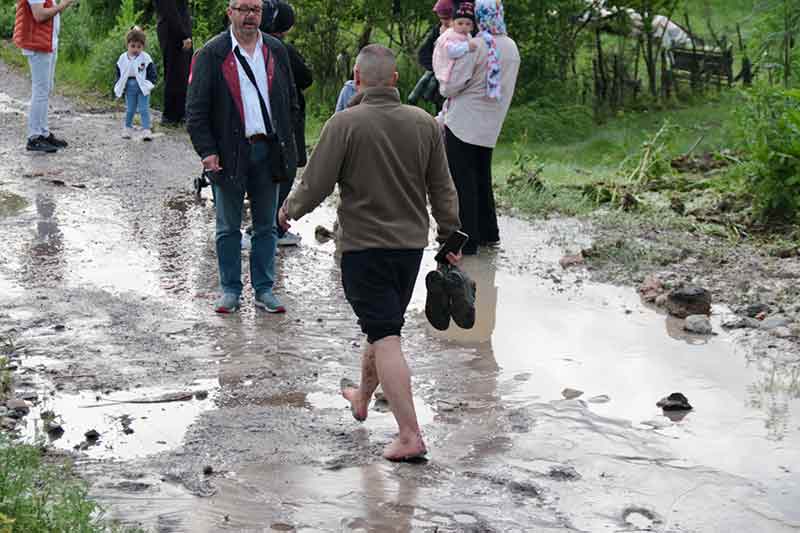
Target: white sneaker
column 289, row 239
column 147, row 135
column 127, row 133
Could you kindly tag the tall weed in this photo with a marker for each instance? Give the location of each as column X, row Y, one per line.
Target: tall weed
column 769, row 129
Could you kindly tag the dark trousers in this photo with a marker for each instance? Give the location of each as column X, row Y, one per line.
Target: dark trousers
column 471, row 168
column 176, row 77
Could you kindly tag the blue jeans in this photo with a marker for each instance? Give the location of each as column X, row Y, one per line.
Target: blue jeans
column 43, row 69
column 229, row 201
column 136, row 102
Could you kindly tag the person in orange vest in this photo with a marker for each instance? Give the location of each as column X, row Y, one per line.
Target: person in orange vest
column 36, row 29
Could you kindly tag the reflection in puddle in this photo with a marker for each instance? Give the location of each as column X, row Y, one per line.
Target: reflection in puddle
column 379, row 412
column 127, row 429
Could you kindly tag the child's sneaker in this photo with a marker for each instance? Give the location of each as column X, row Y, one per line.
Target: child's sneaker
column 127, row 133
column 147, row 135
column 461, row 290
column 437, row 303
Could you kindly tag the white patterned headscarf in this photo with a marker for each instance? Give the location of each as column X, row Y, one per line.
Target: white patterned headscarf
column 489, row 15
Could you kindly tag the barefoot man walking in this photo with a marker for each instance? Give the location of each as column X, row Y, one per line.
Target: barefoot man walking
column 388, row 160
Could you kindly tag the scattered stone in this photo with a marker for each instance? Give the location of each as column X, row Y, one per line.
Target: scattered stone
column 651, row 288
column 128, row 430
column 699, row 324
column 571, row 260
column 208, row 470
column 600, row 398
column 674, row 402
column 18, row 408
column 53, row 429
column 201, row 394
column 563, row 473
column 59, row 327
column 3, row 411
column 782, row 333
column 744, row 322
column 92, row 435
column 777, row 321
column 571, row 394
column 323, row 234
column 753, row 310
column 8, row 423
column 689, row 301
column 29, row 396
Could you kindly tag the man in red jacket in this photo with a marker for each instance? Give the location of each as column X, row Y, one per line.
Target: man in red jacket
column 36, row 29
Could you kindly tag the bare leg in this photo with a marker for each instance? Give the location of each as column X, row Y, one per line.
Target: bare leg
column 359, row 397
column 395, row 377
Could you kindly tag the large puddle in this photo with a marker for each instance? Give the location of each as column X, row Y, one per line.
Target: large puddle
column 559, row 373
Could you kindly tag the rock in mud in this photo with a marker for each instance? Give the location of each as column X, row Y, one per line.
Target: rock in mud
column 563, row 473
column 571, row 394
column 571, row 260
column 782, row 333
column 18, row 408
column 674, row 402
column 323, row 234
column 92, row 435
column 777, row 321
column 699, row 324
column 651, row 288
column 29, row 396
column 208, row 470
column 7, row 423
column 744, row 322
column 689, row 301
column 3, row 411
column 753, row 310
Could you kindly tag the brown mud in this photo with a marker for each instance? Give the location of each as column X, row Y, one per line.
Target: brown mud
column 108, row 274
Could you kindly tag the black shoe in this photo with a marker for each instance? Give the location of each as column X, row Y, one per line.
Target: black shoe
column 437, row 303
column 55, row 141
column 40, row 144
column 461, row 290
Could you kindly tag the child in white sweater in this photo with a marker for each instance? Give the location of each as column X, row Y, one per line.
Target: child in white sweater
column 136, row 77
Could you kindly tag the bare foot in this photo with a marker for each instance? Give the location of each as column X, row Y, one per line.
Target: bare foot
column 352, row 394
column 406, row 449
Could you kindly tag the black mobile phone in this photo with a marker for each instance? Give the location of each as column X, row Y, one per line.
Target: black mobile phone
column 454, row 243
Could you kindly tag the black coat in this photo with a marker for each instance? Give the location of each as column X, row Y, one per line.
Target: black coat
column 302, row 81
column 174, row 21
column 213, row 112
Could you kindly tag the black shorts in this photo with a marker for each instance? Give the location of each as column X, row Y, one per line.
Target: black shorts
column 378, row 284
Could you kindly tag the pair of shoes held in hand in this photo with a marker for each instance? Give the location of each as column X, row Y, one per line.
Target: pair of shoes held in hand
column 451, row 293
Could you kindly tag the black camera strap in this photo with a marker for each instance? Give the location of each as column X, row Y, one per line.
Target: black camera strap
column 252, row 78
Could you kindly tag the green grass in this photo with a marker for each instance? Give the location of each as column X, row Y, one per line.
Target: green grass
column 37, row 497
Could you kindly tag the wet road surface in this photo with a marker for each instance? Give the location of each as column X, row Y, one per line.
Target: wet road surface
column 108, row 275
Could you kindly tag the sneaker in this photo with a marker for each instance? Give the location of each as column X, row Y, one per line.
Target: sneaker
column 461, row 290
column 289, row 239
column 269, row 303
column 127, row 133
column 40, row 144
column 228, row 303
column 55, row 141
column 437, row 303
column 147, row 135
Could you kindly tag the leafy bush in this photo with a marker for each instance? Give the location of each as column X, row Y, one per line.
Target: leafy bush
column 39, row 498
column 769, row 129
column 8, row 12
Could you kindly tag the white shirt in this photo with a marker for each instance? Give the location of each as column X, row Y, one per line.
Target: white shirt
column 56, row 28
column 253, row 119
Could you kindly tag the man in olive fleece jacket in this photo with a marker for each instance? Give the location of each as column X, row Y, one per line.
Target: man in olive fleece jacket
column 388, row 159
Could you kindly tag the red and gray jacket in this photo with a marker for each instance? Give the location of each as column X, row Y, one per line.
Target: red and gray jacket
column 215, row 111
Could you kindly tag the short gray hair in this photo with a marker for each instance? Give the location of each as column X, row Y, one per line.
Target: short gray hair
column 376, row 65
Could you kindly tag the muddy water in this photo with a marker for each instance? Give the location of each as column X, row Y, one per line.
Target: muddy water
column 108, row 272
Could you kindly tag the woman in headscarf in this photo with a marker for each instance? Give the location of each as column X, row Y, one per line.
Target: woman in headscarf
column 480, row 89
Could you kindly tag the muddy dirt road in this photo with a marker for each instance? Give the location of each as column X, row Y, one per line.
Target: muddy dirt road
column 108, row 274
